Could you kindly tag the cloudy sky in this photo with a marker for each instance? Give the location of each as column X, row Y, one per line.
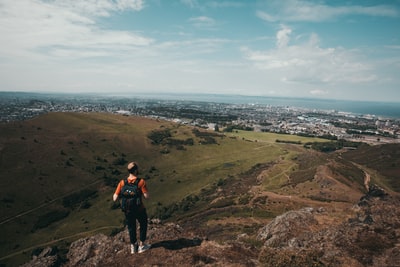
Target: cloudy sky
column 340, row 49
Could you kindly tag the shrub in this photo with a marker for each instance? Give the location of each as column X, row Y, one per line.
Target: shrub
column 158, row 136
column 120, row 161
column 49, row 218
column 76, row 199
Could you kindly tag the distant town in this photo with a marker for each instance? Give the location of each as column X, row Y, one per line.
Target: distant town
column 222, row 117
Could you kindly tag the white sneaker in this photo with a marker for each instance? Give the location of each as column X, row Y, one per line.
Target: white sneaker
column 134, row 248
column 143, row 248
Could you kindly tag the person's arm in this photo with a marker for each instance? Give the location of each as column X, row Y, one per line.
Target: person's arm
column 144, row 189
column 117, row 191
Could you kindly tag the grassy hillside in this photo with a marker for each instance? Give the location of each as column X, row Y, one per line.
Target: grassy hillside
column 383, row 159
column 58, row 173
column 47, row 161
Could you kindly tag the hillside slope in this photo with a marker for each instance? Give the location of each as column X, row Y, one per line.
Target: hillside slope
column 212, row 194
column 312, row 236
column 58, row 172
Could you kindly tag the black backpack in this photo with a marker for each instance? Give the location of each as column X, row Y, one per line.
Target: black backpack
column 131, row 196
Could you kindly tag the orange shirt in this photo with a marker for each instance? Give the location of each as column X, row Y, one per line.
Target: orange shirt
column 141, row 185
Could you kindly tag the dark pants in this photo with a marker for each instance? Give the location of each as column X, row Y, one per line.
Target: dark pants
column 131, row 218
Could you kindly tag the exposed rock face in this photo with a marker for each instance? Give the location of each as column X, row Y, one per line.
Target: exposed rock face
column 370, row 237
column 284, row 229
column 94, row 250
column 47, row 258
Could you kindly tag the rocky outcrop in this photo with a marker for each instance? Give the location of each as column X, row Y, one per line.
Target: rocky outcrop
column 369, row 237
column 285, row 229
column 94, row 250
column 46, row 258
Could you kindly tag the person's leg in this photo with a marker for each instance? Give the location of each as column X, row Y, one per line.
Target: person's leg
column 142, row 218
column 131, row 223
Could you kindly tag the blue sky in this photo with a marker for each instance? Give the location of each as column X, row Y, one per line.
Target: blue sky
column 286, row 48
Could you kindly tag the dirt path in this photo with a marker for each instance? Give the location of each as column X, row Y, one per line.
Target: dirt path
column 367, row 180
column 367, row 176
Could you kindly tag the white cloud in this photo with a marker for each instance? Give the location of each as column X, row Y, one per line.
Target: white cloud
column 190, row 3
column 63, row 28
column 318, row 92
column 98, row 8
column 66, row 45
column 283, row 36
column 396, row 47
column 130, row 4
column 212, row 4
column 299, row 10
column 265, row 16
column 191, row 47
column 308, row 65
column 224, row 4
column 202, row 22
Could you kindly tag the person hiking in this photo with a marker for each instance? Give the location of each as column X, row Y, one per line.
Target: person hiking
column 130, row 191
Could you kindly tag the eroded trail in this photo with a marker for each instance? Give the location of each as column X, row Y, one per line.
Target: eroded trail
column 367, row 180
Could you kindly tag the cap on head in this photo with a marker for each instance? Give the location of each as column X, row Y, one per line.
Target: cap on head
column 133, row 168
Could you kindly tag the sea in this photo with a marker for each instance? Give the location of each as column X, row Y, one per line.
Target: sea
column 390, row 110
column 379, row 109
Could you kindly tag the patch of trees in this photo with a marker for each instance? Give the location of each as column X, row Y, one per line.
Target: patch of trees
column 158, row 136
column 205, row 115
column 328, row 136
column 164, row 137
column 358, row 127
column 369, row 132
column 49, row 218
column 201, row 134
column 324, row 136
column 208, row 140
column 386, row 134
column 193, row 113
column 207, row 137
column 177, row 142
column 231, row 128
column 165, row 212
column 353, row 131
column 324, row 146
column 80, row 198
column 288, row 142
column 332, row 146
